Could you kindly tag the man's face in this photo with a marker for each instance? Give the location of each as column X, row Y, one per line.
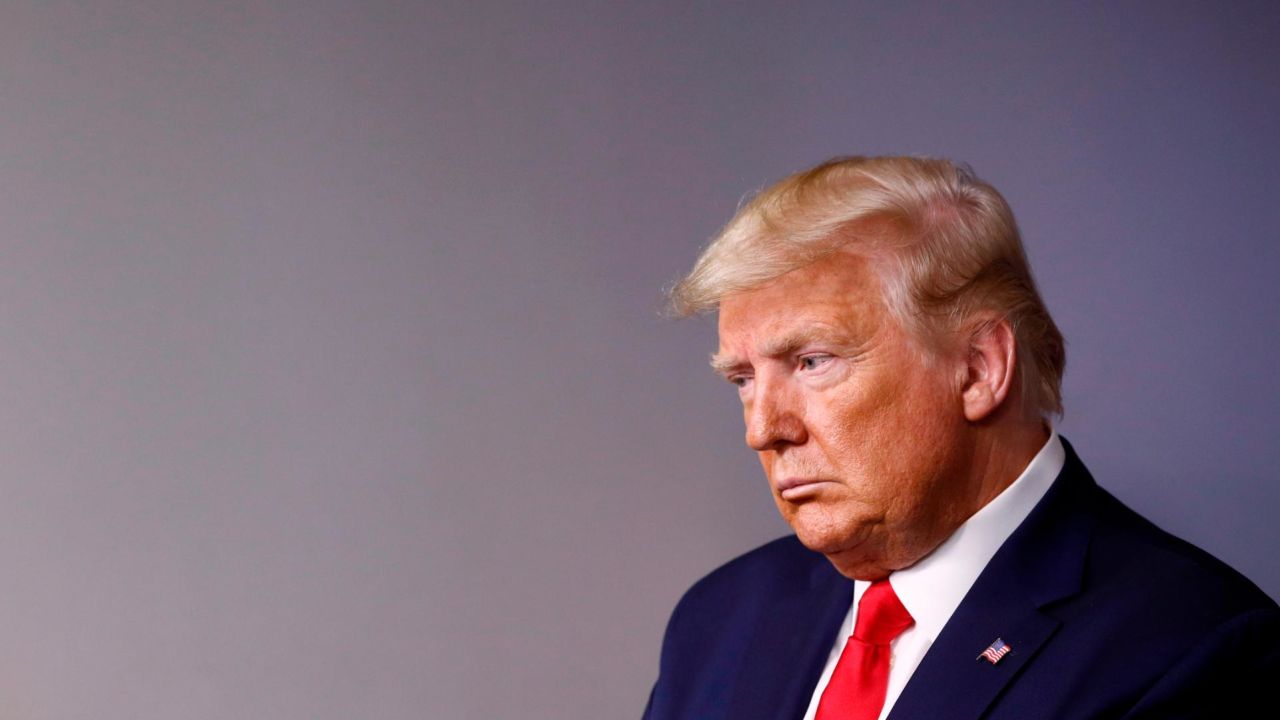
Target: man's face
column 863, row 443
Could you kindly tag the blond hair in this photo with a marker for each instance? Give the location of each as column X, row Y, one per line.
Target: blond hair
column 945, row 244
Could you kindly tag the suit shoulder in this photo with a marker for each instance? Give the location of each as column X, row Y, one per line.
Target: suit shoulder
column 1127, row 541
column 776, row 566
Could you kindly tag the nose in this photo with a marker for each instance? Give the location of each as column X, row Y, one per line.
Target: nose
column 774, row 417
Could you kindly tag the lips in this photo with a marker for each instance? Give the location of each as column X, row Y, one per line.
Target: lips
column 794, row 488
column 786, row 484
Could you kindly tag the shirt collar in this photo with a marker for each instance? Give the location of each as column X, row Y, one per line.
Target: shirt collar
column 932, row 588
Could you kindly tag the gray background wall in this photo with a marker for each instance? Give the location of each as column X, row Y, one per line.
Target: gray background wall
column 332, row 383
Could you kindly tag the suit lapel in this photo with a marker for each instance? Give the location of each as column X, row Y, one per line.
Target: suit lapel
column 952, row 681
column 789, row 649
column 1040, row 563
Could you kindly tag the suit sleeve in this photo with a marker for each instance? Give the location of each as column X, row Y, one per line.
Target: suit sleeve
column 1230, row 673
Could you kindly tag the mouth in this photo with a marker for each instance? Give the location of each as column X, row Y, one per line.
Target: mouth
column 799, row 488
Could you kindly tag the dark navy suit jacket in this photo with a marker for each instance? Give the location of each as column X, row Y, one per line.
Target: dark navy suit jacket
column 1108, row 617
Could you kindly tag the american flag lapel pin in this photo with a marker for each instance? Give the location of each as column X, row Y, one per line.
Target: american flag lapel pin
column 995, row 651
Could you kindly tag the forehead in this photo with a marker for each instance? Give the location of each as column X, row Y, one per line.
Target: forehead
column 840, row 292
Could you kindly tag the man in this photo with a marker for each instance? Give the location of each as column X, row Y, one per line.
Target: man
column 952, row 556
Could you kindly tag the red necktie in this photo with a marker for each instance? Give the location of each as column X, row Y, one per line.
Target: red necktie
column 857, row 687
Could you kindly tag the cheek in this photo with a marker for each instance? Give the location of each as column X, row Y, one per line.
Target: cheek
column 867, row 425
column 892, row 442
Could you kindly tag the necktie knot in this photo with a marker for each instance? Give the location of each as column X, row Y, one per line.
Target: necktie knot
column 881, row 615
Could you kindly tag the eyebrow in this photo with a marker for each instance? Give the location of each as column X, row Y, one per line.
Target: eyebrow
column 781, row 347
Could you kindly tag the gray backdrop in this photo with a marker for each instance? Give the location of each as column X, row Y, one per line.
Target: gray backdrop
column 333, row 383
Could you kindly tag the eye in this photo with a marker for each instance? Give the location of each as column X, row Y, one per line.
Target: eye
column 739, row 380
column 813, row 362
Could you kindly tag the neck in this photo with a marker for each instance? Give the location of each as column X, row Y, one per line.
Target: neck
column 1000, row 456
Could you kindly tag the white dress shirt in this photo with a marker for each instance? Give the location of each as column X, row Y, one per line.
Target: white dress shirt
column 933, row 587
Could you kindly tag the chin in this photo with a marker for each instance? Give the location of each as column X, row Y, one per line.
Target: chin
column 820, row 535
column 845, row 545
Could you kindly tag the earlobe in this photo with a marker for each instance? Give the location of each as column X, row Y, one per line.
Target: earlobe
column 990, row 363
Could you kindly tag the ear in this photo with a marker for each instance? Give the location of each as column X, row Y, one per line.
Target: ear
column 991, row 359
